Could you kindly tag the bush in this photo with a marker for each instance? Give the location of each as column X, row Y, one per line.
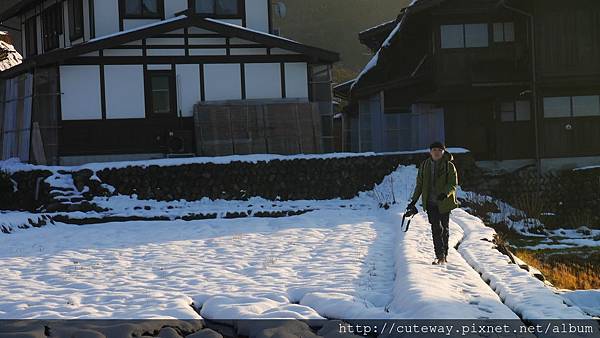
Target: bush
column 6, row 188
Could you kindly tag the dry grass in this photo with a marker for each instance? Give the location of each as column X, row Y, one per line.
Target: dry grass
column 532, row 204
column 567, row 271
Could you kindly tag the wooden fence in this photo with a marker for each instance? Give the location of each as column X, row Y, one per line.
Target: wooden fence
column 228, row 128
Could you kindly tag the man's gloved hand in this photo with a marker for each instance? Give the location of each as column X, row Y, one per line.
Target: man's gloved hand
column 441, row 197
column 411, row 205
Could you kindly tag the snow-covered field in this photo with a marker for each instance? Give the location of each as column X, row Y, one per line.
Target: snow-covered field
column 333, row 262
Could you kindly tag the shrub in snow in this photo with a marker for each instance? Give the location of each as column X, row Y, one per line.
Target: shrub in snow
column 6, row 188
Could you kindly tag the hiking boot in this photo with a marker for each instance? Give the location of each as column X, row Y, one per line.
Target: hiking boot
column 437, row 261
column 444, row 260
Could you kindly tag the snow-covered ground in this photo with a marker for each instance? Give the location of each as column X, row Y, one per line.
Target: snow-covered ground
column 333, row 262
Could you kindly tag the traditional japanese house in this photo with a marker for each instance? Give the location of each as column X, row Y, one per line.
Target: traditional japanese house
column 136, row 79
column 516, row 82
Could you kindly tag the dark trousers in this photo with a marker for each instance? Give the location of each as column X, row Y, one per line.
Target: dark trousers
column 440, row 230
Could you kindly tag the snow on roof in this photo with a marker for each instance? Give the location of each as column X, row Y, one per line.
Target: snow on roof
column 9, row 57
column 376, row 27
column 587, row 168
column 344, row 83
column 375, row 60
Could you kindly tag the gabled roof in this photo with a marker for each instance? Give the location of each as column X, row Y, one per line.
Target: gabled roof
column 225, row 29
column 369, row 77
column 374, row 36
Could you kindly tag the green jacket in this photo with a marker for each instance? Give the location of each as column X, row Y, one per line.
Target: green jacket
column 445, row 183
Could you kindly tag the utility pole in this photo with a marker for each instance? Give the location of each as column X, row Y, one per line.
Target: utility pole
column 538, row 161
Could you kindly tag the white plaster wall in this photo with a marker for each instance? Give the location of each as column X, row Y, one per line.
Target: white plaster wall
column 232, row 21
column 165, row 41
column 87, row 32
column 66, row 30
column 165, row 52
column 106, row 17
column 222, row 82
column 211, row 51
column 296, row 80
column 257, row 15
column 263, row 80
column 174, row 6
column 123, row 52
column 40, row 44
column 248, row 51
column 80, row 86
column 188, row 88
column 135, row 23
column 124, row 85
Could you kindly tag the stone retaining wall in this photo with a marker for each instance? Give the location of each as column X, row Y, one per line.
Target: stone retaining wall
column 293, row 179
column 573, row 196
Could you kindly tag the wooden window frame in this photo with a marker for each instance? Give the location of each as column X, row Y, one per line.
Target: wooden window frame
column 571, row 107
column 73, row 34
column 31, row 37
column 148, row 74
column 504, row 24
column 464, row 35
column 514, row 111
column 52, row 26
column 240, row 14
column 160, row 15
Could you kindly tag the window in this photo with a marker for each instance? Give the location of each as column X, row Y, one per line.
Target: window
column 515, row 111
column 504, row 32
column 31, row 36
column 52, row 27
column 586, row 106
column 572, row 106
column 557, row 106
column 75, row 19
column 453, row 36
column 476, row 35
column 144, row 9
column 218, row 7
column 464, row 36
column 160, row 92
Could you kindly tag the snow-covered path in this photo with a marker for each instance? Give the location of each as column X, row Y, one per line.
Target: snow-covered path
column 449, row 291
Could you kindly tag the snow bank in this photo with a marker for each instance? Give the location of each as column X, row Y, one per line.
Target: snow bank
column 587, row 300
column 15, row 220
column 527, row 296
column 13, row 165
column 270, row 306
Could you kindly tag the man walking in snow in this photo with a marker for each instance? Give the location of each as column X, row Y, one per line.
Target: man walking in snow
column 436, row 182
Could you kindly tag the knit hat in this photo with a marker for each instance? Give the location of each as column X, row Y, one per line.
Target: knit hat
column 438, row 144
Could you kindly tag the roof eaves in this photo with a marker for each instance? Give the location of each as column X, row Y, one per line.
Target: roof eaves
column 17, row 8
column 118, row 38
column 96, row 44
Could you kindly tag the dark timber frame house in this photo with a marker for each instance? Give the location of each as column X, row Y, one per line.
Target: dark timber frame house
column 131, row 79
column 516, row 82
